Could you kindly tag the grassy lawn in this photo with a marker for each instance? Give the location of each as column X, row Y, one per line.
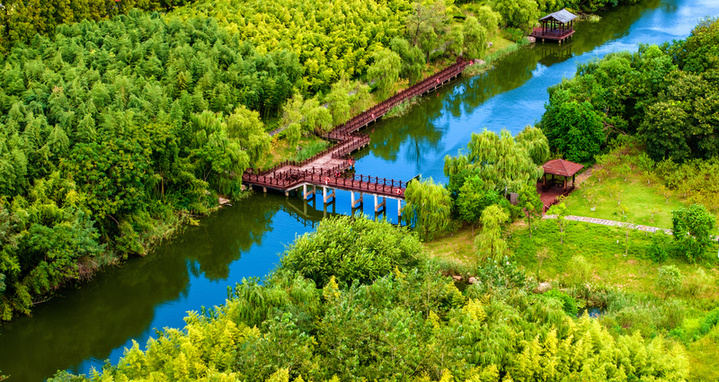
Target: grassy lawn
column 605, row 250
column 643, row 202
column 624, row 280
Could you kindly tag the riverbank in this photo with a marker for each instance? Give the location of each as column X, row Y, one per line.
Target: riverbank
column 241, row 241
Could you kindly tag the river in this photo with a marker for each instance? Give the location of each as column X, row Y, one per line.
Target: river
column 83, row 327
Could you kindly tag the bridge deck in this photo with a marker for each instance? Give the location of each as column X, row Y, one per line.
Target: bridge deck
column 326, row 168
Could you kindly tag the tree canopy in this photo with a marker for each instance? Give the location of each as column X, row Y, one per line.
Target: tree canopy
column 666, row 95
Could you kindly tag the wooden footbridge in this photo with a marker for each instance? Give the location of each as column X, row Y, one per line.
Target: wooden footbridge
column 328, row 168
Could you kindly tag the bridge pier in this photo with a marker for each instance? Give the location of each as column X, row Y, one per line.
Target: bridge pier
column 359, row 201
column 304, row 192
column 379, row 206
column 325, row 196
column 399, row 208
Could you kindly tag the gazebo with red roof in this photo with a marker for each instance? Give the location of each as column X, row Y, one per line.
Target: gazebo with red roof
column 563, row 168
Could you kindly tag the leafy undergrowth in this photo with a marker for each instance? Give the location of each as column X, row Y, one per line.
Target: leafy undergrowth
column 595, row 266
column 281, row 150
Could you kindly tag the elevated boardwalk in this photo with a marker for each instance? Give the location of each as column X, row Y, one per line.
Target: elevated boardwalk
column 327, row 168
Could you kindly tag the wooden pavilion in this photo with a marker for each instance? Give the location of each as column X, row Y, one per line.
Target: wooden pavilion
column 560, row 168
column 557, row 26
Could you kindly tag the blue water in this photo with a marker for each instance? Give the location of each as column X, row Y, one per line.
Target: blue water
column 82, row 329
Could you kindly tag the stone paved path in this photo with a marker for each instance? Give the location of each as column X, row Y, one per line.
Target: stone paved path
column 611, row 223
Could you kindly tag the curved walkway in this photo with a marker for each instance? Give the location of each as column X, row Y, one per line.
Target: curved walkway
column 611, row 223
column 326, row 168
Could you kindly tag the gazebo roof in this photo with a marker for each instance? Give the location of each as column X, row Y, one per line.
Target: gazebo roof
column 563, row 16
column 561, row 167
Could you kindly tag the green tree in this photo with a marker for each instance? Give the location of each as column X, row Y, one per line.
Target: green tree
column 574, row 129
column 473, row 198
column 499, row 161
column 384, row 72
column 693, row 227
column 352, row 250
column 560, row 212
column 475, row 37
column 531, row 204
column 427, row 208
column 522, row 14
column 536, row 144
column 489, row 243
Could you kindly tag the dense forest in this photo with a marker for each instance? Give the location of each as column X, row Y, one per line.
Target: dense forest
column 117, row 123
column 359, row 300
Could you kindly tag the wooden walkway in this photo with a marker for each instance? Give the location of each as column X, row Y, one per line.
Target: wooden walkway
column 327, row 168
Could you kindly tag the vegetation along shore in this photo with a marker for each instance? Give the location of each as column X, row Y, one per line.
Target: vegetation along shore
column 121, row 122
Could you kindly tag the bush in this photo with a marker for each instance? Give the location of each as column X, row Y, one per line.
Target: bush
column 660, row 248
column 353, row 250
column 579, row 271
column 669, row 280
column 692, row 230
column 697, row 284
column 569, row 303
column 672, row 314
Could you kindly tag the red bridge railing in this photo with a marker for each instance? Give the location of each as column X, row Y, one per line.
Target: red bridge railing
column 287, row 175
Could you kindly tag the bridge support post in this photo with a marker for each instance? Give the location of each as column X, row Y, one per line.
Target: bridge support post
column 379, row 206
column 358, row 201
column 326, row 196
column 399, row 209
column 264, row 189
column 304, row 192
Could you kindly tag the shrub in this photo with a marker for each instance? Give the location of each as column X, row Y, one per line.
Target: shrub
column 660, row 248
column 692, row 230
column 569, row 303
column 669, row 280
column 672, row 314
column 697, row 284
column 579, row 271
column 353, row 250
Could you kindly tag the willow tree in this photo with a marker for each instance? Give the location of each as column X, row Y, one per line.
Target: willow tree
column 536, row 144
column 489, row 243
column 500, row 161
column 428, row 208
column 384, row 72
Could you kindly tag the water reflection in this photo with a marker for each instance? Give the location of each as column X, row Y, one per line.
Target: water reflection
column 96, row 322
column 87, row 325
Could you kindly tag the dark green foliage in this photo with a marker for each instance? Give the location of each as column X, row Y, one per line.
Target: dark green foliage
column 661, row 246
column 575, row 129
column 22, row 20
column 666, row 95
column 352, row 250
column 693, row 229
column 407, row 325
column 569, row 303
column 109, row 127
column 500, row 274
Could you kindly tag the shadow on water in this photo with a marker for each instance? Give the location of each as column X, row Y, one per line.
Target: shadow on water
column 122, row 303
column 97, row 321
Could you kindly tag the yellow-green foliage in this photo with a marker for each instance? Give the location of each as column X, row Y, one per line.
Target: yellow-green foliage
column 410, row 324
column 332, row 39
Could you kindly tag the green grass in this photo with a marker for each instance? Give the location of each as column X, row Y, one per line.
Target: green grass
column 603, row 247
column 642, row 202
